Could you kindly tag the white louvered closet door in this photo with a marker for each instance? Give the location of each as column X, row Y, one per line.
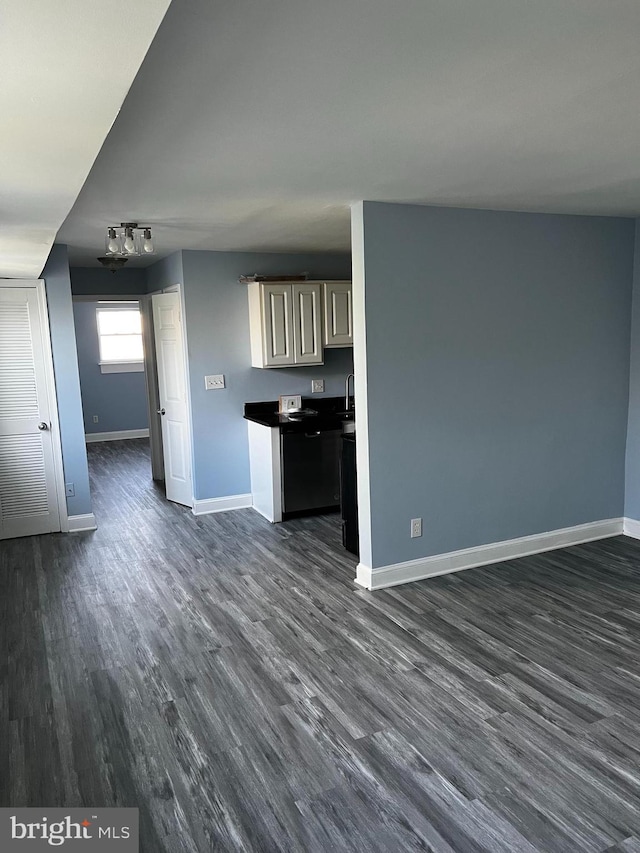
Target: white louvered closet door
column 28, row 496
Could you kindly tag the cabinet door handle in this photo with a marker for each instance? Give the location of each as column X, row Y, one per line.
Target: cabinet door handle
column 312, row 434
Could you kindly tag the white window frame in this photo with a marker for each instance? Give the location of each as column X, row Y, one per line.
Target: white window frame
column 128, row 366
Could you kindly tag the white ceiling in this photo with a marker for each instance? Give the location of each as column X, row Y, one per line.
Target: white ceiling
column 253, row 125
column 64, row 77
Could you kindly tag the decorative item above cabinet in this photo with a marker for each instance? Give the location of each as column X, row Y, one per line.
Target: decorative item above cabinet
column 291, row 321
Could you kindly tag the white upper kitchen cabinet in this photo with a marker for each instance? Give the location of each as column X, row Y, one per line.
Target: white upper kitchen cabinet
column 338, row 314
column 285, row 323
column 307, row 323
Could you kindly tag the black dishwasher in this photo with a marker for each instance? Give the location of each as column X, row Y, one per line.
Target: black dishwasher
column 310, row 471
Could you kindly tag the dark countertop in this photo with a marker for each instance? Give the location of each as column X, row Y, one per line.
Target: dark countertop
column 329, row 415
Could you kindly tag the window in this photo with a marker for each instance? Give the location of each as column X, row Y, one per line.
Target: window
column 120, row 337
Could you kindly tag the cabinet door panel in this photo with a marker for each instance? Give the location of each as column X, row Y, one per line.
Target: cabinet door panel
column 338, row 314
column 278, row 325
column 307, row 324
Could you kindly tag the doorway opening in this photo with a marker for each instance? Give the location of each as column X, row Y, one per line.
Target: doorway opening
column 132, row 367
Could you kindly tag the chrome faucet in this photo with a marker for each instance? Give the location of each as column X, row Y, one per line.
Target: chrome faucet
column 346, row 391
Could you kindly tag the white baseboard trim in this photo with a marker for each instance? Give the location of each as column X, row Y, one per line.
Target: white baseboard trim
column 265, row 515
column 120, row 435
column 496, row 552
column 79, row 523
column 210, row 505
column 631, row 528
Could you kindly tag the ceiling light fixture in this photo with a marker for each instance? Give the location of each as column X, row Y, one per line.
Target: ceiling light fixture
column 128, row 240
column 147, row 242
column 113, row 247
column 112, row 263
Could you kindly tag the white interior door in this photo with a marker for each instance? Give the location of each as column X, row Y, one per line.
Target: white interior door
column 28, row 421
column 174, row 406
column 151, row 382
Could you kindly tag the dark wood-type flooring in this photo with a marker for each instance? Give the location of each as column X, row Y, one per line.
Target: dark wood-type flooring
column 225, row 676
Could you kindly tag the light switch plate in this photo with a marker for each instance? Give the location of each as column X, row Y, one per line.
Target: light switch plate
column 214, row 382
column 290, row 401
column 317, row 386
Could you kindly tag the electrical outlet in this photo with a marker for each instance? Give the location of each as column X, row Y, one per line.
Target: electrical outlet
column 214, row 382
column 416, row 527
column 70, row 490
column 317, row 386
column 95, row 419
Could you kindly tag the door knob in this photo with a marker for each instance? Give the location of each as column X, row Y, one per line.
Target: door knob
column 161, row 411
column 43, row 425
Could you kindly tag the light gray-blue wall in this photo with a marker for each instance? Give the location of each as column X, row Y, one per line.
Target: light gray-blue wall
column 632, row 490
column 497, row 371
column 65, row 363
column 118, row 399
column 164, row 273
column 217, row 322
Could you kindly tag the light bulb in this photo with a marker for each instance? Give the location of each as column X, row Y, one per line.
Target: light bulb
column 113, row 246
column 147, row 242
column 129, row 245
